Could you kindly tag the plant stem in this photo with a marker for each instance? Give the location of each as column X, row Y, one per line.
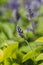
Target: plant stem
column 28, row 44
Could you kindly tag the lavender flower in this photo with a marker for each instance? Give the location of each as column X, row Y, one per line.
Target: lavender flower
column 34, row 24
column 13, row 5
column 39, row 1
column 29, row 29
column 33, row 29
column 31, row 14
column 20, row 31
column 35, row 5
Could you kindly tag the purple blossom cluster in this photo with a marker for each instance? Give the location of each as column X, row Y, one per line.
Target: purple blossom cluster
column 14, row 5
column 33, row 10
column 32, row 7
column 20, row 32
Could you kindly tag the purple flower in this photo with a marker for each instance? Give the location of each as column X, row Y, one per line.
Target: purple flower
column 39, row 1
column 20, row 31
column 29, row 29
column 31, row 14
column 34, row 24
column 28, row 5
column 14, row 5
column 42, row 1
column 33, row 29
column 34, row 4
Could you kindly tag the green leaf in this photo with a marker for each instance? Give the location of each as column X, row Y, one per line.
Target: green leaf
column 19, row 56
column 14, row 55
column 12, row 26
column 3, row 36
column 24, row 18
column 31, row 54
column 29, row 35
column 33, row 45
column 41, row 64
column 2, row 2
column 40, row 57
column 24, row 49
column 24, row 14
column 1, row 55
column 41, row 9
column 7, row 30
column 6, row 62
column 10, row 49
column 39, row 29
column 15, row 64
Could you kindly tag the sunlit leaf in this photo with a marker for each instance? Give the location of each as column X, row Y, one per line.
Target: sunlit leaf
column 15, row 64
column 1, row 55
column 6, row 62
column 10, row 49
column 39, row 29
column 41, row 64
column 40, row 57
column 39, row 39
column 7, row 31
column 31, row 54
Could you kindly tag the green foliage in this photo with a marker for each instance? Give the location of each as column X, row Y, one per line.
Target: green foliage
column 40, row 57
column 10, row 49
column 41, row 9
column 7, row 30
column 14, row 48
column 39, row 30
column 31, row 54
column 41, row 64
column 2, row 2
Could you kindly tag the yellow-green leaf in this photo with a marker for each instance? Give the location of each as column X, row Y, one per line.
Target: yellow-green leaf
column 31, row 54
column 41, row 64
column 40, row 57
column 10, row 49
column 15, row 64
